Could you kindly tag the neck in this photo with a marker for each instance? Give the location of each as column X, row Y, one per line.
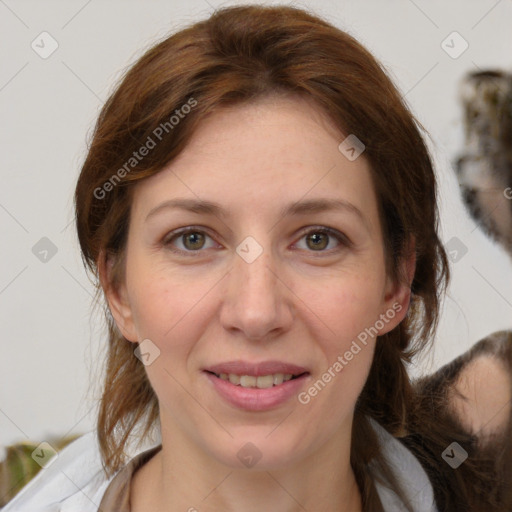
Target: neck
column 180, row 479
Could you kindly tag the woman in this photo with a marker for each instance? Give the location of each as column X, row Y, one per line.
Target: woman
column 259, row 209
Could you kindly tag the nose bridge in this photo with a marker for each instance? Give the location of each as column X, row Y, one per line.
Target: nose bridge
column 254, row 302
column 255, row 279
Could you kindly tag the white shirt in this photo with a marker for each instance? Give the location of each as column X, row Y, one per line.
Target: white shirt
column 75, row 482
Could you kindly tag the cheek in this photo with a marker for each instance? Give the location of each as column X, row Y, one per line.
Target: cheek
column 169, row 312
column 338, row 384
column 345, row 306
column 346, row 337
column 165, row 305
column 329, row 401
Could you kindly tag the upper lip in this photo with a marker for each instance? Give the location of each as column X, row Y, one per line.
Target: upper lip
column 256, row 369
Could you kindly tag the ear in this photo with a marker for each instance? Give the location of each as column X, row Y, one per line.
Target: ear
column 398, row 295
column 117, row 297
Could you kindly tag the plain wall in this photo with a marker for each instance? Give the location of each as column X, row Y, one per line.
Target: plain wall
column 51, row 344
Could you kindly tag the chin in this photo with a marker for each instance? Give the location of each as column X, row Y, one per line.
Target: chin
column 259, row 453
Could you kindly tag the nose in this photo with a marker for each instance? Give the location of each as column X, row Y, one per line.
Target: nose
column 257, row 300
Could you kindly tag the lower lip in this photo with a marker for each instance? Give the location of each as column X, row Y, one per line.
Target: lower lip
column 255, row 399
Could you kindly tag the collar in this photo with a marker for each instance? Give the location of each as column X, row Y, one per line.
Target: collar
column 411, row 476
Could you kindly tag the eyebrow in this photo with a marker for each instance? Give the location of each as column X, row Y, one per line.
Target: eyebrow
column 297, row 208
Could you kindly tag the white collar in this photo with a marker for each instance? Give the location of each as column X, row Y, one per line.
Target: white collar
column 409, row 473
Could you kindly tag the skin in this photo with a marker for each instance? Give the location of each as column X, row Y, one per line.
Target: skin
column 295, row 303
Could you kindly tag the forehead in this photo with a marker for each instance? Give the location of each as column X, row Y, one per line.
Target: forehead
column 273, row 151
column 279, row 123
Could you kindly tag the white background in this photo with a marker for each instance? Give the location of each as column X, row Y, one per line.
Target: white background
column 51, row 345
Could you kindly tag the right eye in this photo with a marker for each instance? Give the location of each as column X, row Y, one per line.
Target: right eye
column 191, row 238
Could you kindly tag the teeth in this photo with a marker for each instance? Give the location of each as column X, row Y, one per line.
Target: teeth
column 248, row 381
column 265, row 381
column 261, row 382
column 234, row 379
column 278, row 379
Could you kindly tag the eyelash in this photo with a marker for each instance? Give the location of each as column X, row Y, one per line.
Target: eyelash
column 340, row 237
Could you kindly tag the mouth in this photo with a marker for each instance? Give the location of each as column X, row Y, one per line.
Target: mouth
column 260, row 381
column 257, row 387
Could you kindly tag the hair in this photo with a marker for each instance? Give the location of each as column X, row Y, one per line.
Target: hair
column 238, row 55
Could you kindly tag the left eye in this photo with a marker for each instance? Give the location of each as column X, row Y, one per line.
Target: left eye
column 318, row 238
column 193, row 240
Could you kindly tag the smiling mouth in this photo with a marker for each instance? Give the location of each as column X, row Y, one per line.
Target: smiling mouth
column 260, row 382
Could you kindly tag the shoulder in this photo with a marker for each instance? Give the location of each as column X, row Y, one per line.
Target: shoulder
column 74, row 480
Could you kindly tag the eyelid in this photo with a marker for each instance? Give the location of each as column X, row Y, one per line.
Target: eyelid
column 175, row 234
column 326, row 229
column 338, row 235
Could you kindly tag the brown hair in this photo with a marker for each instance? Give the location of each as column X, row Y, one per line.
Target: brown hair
column 237, row 55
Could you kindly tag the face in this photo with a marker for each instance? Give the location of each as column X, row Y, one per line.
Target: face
column 269, row 284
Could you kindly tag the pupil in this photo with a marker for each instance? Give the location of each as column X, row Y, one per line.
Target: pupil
column 315, row 238
column 193, row 237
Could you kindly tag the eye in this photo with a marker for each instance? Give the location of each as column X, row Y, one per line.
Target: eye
column 318, row 239
column 191, row 238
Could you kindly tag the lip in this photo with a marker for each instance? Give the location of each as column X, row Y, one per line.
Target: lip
column 255, row 399
column 256, row 369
